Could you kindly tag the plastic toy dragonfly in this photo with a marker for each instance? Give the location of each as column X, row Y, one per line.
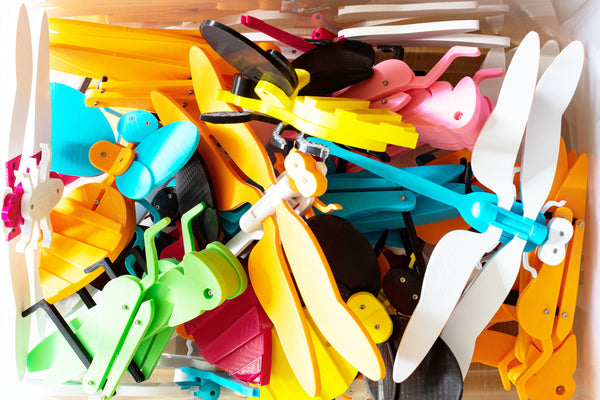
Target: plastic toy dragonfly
column 267, row 259
column 277, row 85
column 143, row 313
column 145, row 163
column 496, row 216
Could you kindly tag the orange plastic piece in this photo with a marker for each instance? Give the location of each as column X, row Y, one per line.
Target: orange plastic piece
column 90, row 223
column 182, row 332
column 303, row 170
column 562, row 169
column 231, row 189
column 541, row 294
column 504, row 313
column 136, row 94
column 574, row 187
column 554, row 381
column 275, row 289
column 570, row 284
column 112, row 158
column 237, row 140
column 123, row 53
column 491, row 347
column 571, row 158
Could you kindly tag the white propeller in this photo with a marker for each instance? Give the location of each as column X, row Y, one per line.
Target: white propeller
column 15, row 87
column 26, row 113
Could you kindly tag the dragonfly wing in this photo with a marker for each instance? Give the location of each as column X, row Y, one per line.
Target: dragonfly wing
column 542, row 141
column 316, row 283
column 15, row 86
column 274, row 287
column 496, row 148
column 448, row 271
column 481, row 301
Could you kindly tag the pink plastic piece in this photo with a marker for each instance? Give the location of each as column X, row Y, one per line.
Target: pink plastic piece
column 11, row 207
column 66, row 179
column 393, row 76
column 236, row 336
column 448, row 118
column 176, row 249
column 323, row 34
column 11, row 212
column 11, row 166
column 284, row 37
column 445, row 117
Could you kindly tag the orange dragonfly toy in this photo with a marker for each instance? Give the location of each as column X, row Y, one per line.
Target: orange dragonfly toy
column 286, row 243
column 541, row 360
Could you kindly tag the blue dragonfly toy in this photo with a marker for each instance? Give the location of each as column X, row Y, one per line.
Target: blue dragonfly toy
column 147, row 161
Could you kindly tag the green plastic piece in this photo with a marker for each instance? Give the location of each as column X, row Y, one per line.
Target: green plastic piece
column 120, row 300
column 198, row 284
column 136, row 317
column 186, row 227
column 136, row 332
column 67, row 364
column 163, row 298
column 150, row 247
column 41, row 357
column 155, row 351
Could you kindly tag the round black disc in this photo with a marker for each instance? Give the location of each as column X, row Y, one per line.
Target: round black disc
column 249, row 59
column 334, row 66
column 349, row 254
column 438, row 377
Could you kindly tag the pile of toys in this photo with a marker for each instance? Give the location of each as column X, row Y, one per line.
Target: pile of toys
column 201, row 184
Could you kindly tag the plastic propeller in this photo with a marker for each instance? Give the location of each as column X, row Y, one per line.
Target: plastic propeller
column 30, row 193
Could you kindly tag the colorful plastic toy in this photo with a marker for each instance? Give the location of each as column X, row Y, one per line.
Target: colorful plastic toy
column 554, row 287
column 236, row 337
column 486, row 167
column 539, row 159
column 136, row 94
column 144, row 164
column 446, row 117
column 122, row 53
column 339, row 120
column 237, row 140
column 144, row 313
column 209, row 383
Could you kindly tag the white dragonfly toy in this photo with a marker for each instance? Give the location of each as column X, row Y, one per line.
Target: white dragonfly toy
column 520, row 103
